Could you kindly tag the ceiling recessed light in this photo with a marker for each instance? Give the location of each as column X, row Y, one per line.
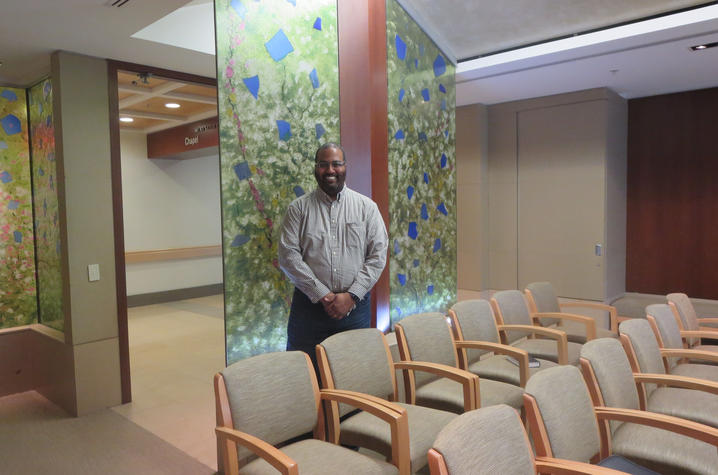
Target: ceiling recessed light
column 704, row 46
column 172, row 105
column 126, row 119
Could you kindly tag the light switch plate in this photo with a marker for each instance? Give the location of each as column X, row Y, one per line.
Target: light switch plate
column 93, row 272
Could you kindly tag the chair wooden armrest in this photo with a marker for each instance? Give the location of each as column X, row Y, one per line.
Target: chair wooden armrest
column 562, row 466
column 468, row 380
column 677, row 381
column 389, row 412
column 686, row 353
column 588, row 321
column 713, row 320
column 521, row 355
column 275, row 457
column 700, row 333
column 558, row 335
column 612, row 312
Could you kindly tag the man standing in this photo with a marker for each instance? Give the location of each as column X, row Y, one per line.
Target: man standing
column 333, row 248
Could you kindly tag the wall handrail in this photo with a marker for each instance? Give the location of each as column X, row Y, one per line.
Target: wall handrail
column 154, row 255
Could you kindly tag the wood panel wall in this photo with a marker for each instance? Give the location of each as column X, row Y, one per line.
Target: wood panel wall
column 672, row 231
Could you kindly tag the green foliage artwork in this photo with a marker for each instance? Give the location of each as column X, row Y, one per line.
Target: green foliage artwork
column 18, row 304
column 277, row 78
column 47, row 225
column 422, row 182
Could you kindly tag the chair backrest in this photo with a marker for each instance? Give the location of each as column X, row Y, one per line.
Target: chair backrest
column 475, row 322
column 486, row 441
column 667, row 327
column 613, row 374
column 645, row 346
column 685, row 311
column 510, row 306
column 273, row 396
column 544, row 299
column 427, row 337
column 567, row 412
column 359, row 360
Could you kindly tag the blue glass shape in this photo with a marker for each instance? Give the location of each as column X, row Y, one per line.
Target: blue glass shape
column 398, row 311
column 416, row 262
column 400, row 48
column 319, row 130
column 293, row 2
column 318, row 24
column 422, row 137
column 40, row 171
column 397, row 249
column 443, row 104
column 446, row 133
column 47, row 89
column 14, row 204
column 426, row 178
column 279, row 46
column 11, row 124
column 425, row 94
column 413, row 232
column 443, row 160
column 409, row 191
column 242, row 171
column 437, row 244
column 416, row 63
column 402, row 279
column 5, row 177
column 284, row 129
column 399, row 134
column 442, row 208
column 298, row 191
column 240, row 9
column 430, row 289
column 240, row 240
column 9, row 95
column 421, row 49
column 401, row 94
column 314, row 78
column 424, row 212
column 48, row 121
column 439, row 65
column 17, row 236
column 442, row 88
column 252, row 85
column 3, row 145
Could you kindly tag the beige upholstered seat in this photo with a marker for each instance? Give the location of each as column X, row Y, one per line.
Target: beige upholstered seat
column 266, row 400
column 612, row 388
column 668, row 334
column 476, row 335
column 542, row 299
column 689, row 398
column 359, row 360
column 426, row 337
column 515, row 323
column 692, row 327
column 490, row 441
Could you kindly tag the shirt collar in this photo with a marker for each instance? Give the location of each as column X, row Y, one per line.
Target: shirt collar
column 328, row 199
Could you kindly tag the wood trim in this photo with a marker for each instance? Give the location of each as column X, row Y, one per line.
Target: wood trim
column 134, row 257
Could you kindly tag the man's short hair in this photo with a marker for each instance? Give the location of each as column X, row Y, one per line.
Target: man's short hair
column 327, row 146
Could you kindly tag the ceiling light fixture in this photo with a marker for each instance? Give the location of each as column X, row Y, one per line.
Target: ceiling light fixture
column 172, row 105
column 126, row 119
column 704, row 46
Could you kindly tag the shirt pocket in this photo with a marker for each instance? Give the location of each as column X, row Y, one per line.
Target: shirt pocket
column 355, row 235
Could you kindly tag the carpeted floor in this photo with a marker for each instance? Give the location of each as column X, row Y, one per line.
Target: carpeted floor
column 38, row 437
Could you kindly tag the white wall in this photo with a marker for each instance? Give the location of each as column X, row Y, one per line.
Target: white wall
column 169, row 203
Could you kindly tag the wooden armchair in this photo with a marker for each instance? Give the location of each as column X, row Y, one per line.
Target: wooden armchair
column 545, row 307
column 682, row 446
column 426, row 338
column 266, row 403
column 692, row 327
column 492, row 440
column 515, row 322
column 476, row 334
column 360, row 360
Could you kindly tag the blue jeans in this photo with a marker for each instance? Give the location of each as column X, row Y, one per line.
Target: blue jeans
column 309, row 324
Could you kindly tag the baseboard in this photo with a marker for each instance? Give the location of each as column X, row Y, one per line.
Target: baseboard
column 174, row 295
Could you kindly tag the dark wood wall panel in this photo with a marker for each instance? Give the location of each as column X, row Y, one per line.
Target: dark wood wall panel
column 672, row 229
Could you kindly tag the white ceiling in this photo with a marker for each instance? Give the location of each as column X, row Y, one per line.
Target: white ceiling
column 652, row 62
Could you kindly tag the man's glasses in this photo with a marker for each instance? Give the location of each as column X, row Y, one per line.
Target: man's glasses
column 325, row 165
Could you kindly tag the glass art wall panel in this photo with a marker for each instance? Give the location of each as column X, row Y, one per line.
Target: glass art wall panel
column 278, row 88
column 422, row 182
column 18, row 301
column 47, row 225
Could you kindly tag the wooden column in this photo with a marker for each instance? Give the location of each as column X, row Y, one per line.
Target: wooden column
column 363, row 114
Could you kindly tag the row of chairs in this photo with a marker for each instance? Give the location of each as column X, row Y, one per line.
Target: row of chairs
column 276, row 399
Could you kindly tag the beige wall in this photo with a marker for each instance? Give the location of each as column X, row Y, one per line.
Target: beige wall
column 472, row 196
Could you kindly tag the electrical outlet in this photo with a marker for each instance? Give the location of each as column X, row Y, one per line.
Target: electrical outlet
column 93, row 272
